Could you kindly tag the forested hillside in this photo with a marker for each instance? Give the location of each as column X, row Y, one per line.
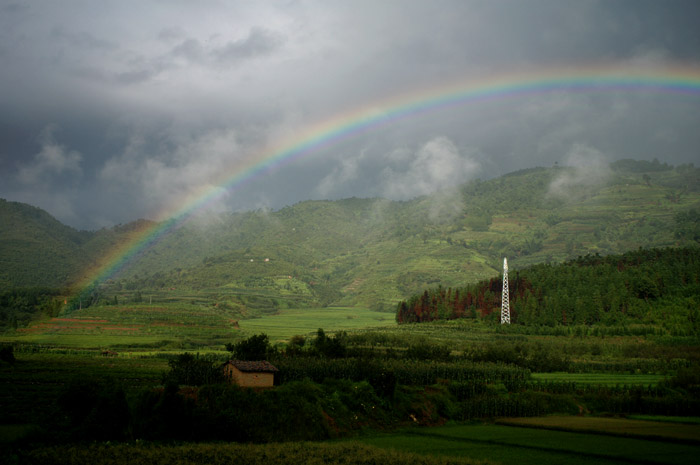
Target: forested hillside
column 648, row 286
column 375, row 252
column 35, row 248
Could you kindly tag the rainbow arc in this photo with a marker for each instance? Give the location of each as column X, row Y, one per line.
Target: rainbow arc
column 675, row 79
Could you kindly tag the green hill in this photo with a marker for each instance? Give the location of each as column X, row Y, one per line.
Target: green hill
column 35, row 248
column 375, row 252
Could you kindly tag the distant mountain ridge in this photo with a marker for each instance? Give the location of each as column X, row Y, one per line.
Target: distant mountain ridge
column 375, row 252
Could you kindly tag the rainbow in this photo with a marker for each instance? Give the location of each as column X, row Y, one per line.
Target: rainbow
column 675, row 79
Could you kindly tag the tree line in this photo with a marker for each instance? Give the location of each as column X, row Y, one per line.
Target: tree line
column 651, row 286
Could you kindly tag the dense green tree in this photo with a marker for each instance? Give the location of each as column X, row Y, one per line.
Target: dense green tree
column 193, row 370
column 638, row 286
column 330, row 346
column 256, row 347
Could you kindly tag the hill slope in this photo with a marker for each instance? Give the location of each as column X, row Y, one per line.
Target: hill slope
column 375, row 252
column 36, row 249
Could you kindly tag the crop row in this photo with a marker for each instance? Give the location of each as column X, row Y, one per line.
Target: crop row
column 406, row 372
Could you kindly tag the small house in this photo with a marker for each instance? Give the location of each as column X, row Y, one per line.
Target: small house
column 258, row 374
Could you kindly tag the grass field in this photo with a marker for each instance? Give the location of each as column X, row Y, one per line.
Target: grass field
column 185, row 326
column 616, row 426
column 602, row 379
column 33, row 383
column 287, row 323
column 309, row 453
column 523, row 446
column 131, row 325
column 664, row 418
column 473, row 443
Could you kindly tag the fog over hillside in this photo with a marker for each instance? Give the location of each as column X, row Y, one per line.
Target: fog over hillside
column 372, row 251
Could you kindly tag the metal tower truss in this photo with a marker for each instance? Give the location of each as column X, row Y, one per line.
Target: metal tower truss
column 505, row 298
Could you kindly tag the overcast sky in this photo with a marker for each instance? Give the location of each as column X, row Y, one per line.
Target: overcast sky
column 115, row 110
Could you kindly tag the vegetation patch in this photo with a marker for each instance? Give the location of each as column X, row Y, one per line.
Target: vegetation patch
column 287, row 323
column 244, row 454
column 517, row 445
column 615, row 426
column 654, row 286
column 602, row 379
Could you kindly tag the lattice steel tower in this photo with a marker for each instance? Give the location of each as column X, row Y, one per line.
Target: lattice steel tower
column 505, row 303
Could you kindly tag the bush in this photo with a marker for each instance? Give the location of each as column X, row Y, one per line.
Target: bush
column 687, row 378
column 256, row 347
column 193, row 370
column 92, row 410
column 164, row 414
column 330, row 346
column 7, row 354
column 427, row 351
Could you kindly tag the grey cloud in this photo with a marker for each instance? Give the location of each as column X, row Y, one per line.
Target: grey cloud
column 173, row 176
column 52, row 161
column 191, row 50
column 259, row 42
column 81, row 39
column 172, row 33
column 155, row 103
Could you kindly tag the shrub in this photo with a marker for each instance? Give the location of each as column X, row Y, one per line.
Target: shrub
column 7, row 354
column 427, row 351
column 256, row 347
column 193, row 370
column 93, row 410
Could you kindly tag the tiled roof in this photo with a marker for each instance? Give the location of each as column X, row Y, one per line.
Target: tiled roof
column 258, row 366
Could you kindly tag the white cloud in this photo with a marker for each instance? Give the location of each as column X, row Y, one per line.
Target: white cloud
column 174, row 177
column 52, row 161
column 345, row 173
column 437, row 165
column 584, row 167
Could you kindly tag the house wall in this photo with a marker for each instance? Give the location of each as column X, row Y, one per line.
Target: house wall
column 249, row 379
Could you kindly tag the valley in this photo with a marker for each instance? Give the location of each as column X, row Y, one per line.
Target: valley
column 381, row 317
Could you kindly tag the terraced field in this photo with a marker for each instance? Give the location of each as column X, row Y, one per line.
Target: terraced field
column 134, row 325
column 287, row 323
column 182, row 325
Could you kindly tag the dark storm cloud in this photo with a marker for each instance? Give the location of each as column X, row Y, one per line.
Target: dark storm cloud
column 113, row 110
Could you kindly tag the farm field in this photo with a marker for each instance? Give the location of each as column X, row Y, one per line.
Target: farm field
column 602, row 379
column 34, row 382
column 463, row 444
column 311, row 453
column 616, row 426
column 42, row 373
column 133, row 326
column 287, row 323
column 518, row 445
column 185, row 326
column 663, row 418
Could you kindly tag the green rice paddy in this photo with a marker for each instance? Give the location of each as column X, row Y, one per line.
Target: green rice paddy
column 287, row 323
column 523, row 446
column 186, row 326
